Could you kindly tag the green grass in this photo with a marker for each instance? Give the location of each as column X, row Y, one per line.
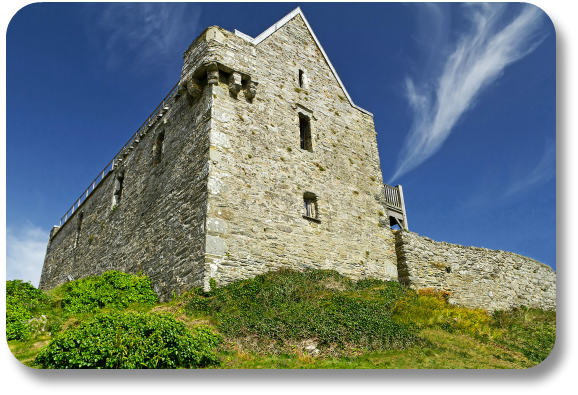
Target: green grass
column 268, row 322
column 441, row 351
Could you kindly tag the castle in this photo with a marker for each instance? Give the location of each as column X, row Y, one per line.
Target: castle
column 258, row 159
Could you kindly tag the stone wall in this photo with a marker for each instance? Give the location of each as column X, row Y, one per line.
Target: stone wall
column 157, row 225
column 476, row 277
column 259, row 174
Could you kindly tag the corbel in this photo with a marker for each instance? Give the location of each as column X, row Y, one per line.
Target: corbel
column 212, row 74
column 251, row 89
column 235, row 83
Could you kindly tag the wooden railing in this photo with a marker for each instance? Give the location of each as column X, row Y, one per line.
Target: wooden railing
column 395, row 204
column 392, row 196
column 110, row 166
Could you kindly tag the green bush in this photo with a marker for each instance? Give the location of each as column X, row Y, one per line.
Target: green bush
column 131, row 341
column 291, row 305
column 23, row 301
column 112, row 289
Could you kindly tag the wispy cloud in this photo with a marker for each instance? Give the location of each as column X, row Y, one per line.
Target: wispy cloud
column 517, row 184
column 144, row 34
column 479, row 57
column 25, row 251
column 544, row 171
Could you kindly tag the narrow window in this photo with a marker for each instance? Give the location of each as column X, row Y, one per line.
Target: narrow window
column 117, row 192
column 305, row 133
column 78, row 227
column 301, row 78
column 158, row 148
column 310, row 206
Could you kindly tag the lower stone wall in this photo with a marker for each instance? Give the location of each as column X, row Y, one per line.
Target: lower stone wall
column 476, row 277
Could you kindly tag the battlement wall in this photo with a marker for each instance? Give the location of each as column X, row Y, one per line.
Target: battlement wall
column 476, row 277
column 148, row 213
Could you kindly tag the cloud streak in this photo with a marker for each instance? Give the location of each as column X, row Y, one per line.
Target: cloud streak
column 146, row 34
column 544, row 171
column 496, row 193
column 25, row 251
column 478, row 59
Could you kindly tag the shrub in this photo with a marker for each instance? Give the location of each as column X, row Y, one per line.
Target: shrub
column 23, row 301
column 292, row 306
column 112, row 289
column 131, row 341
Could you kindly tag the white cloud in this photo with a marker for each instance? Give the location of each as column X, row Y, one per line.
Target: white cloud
column 146, row 34
column 478, row 59
column 25, row 251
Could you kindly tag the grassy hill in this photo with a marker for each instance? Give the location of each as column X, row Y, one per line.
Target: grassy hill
column 284, row 319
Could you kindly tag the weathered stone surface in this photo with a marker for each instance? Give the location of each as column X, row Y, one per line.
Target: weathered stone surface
column 476, row 277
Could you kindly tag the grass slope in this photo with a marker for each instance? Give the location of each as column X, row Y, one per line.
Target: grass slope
column 280, row 320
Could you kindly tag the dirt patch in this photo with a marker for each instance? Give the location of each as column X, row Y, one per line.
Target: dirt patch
column 70, row 323
column 332, row 284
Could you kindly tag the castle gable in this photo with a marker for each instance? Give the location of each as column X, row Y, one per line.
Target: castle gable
column 282, row 23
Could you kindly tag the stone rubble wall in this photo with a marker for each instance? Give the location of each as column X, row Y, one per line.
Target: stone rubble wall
column 158, row 225
column 476, row 277
column 259, row 174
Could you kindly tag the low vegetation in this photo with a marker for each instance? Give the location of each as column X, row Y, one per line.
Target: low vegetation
column 278, row 309
column 284, row 319
column 23, row 302
column 130, row 341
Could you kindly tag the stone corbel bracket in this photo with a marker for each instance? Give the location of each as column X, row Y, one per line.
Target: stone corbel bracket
column 193, row 83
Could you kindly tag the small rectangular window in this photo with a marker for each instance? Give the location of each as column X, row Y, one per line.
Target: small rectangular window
column 310, row 206
column 300, row 78
column 305, row 134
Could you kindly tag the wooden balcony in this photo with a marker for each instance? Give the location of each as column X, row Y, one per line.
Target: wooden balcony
column 395, row 206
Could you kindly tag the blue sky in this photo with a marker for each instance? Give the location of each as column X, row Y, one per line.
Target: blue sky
column 463, row 97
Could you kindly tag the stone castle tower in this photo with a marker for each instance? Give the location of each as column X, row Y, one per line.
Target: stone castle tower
column 256, row 160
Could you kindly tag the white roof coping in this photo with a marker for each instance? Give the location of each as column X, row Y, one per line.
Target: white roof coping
column 279, row 25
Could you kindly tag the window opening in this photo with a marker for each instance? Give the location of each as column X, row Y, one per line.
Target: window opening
column 305, row 133
column 78, row 227
column 310, row 205
column 301, row 78
column 117, row 192
column 158, row 148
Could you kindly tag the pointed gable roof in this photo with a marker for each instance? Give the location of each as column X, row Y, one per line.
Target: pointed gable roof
column 279, row 25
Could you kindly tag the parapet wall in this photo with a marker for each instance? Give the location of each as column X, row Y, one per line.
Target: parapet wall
column 153, row 220
column 476, row 277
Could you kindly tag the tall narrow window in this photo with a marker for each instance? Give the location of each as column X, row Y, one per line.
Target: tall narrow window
column 78, row 227
column 305, row 133
column 158, row 148
column 301, row 78
column 117, row 192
